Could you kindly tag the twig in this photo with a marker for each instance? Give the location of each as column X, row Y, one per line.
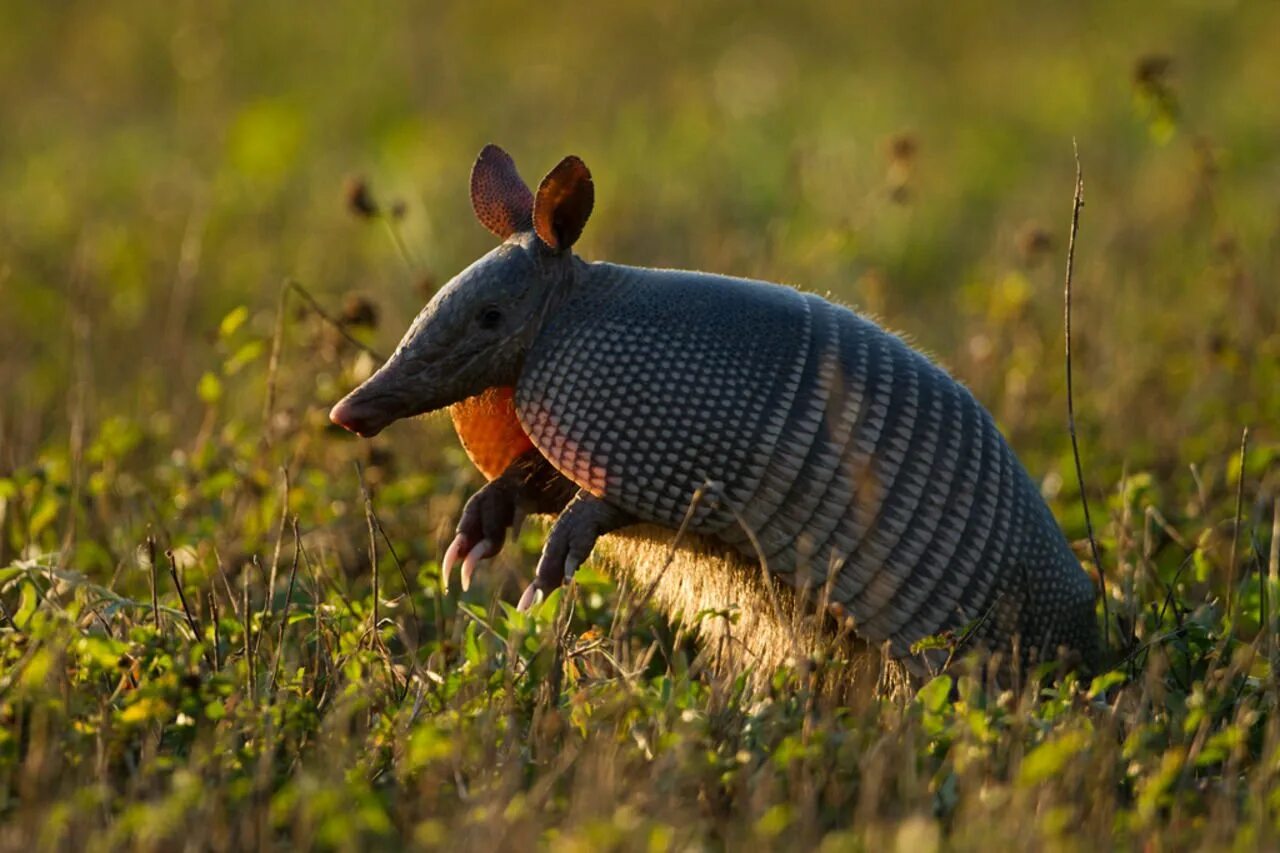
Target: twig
column 1273, row 559
column 268, row 606
column 699, row 494
column 77, row 399
column 182, row 597
column 273, row 363
column 284, row 614
column 480, row 621
column 226, row 582
column 565, row 619
column 393, row 229
column 968, row 634
column 316, row 608
column 268, row 600
column 376, row 524
column 1235, row 530
column 373, row 543
column 250, row 669
column 155, row 583
column 217, row 635
column 1077, row 203
column 275, row 555
column 1269, row 583
column 331, row 320
column 404, row 576
column 766, row 579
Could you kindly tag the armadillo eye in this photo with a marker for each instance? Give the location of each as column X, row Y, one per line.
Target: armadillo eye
column 490, row 318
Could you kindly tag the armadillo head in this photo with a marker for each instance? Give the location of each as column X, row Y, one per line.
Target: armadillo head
column 475, row 331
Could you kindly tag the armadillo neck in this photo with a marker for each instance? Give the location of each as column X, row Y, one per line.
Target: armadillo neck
column 489, row 431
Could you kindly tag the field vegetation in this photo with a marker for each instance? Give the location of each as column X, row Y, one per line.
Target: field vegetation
column 222, row 623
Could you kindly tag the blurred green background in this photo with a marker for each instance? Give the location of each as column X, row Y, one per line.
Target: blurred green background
column 164, row 163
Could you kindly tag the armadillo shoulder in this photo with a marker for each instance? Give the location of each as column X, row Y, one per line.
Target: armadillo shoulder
column 650, row 382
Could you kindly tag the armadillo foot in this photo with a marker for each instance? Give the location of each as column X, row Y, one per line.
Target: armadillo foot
column 487, row 517
column 528, row 485
column 570, row 541
column 482, row 550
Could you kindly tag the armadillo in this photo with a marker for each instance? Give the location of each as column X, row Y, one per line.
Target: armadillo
column 778, row 425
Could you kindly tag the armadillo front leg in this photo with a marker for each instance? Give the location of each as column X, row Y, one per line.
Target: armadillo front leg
column 528, row 485
column 570, row 541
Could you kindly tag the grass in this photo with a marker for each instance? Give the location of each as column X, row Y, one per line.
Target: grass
column 222, row 620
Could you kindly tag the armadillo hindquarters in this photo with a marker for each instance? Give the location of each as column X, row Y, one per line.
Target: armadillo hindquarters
column 839, row 455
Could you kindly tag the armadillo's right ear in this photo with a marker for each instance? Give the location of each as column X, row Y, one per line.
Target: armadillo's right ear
column 501, row 200
column 563, row 204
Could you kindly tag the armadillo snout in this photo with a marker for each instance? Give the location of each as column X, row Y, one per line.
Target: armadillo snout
column 367, row 417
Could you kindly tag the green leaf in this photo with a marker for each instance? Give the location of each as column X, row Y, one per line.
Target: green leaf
column 45, row 513
column 233, row 321
column 1049, row 758
column 934, row 695
column 471, row 644
column 774, row 821
column 102, row 651
column 242, row 357
column 1105, row 682
column 209, row 388
column 28, row 600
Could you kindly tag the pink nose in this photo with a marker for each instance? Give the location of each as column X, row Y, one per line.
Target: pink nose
column 344, row 414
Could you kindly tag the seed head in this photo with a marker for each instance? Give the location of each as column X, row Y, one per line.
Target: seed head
column 359, row 311
column 359, row 198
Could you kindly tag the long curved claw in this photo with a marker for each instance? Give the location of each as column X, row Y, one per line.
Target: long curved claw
column 455, row 550
column 533, row 595
column 482, row 550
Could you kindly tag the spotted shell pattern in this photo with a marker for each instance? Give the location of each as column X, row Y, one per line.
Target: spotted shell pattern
column 836, row 453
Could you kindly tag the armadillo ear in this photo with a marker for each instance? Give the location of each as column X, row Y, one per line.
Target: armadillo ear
column 563, row 204
column 501, row 200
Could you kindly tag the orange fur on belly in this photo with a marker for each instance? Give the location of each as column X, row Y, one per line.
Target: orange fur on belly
column 489, row 430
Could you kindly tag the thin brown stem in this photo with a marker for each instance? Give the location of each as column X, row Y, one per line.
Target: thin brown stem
column 217, row 631
column 373, row 543
column 393, row 229
column 284, row 613
column 332, row 321
column 273, row 363
column 182, row 596
column 155, row 581
column 1076, row 204
column 1235, row 530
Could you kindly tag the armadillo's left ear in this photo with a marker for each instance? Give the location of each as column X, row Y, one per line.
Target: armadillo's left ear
column 500, row 198
column 563, row 204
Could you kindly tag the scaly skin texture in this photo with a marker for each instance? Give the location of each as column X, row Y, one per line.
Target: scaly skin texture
column 745, row 625
column 837, row 453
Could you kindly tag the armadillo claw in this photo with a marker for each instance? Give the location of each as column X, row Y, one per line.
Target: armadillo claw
column 483, row 550
column 571, row 564
column 450, row 557
column 532, row 596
